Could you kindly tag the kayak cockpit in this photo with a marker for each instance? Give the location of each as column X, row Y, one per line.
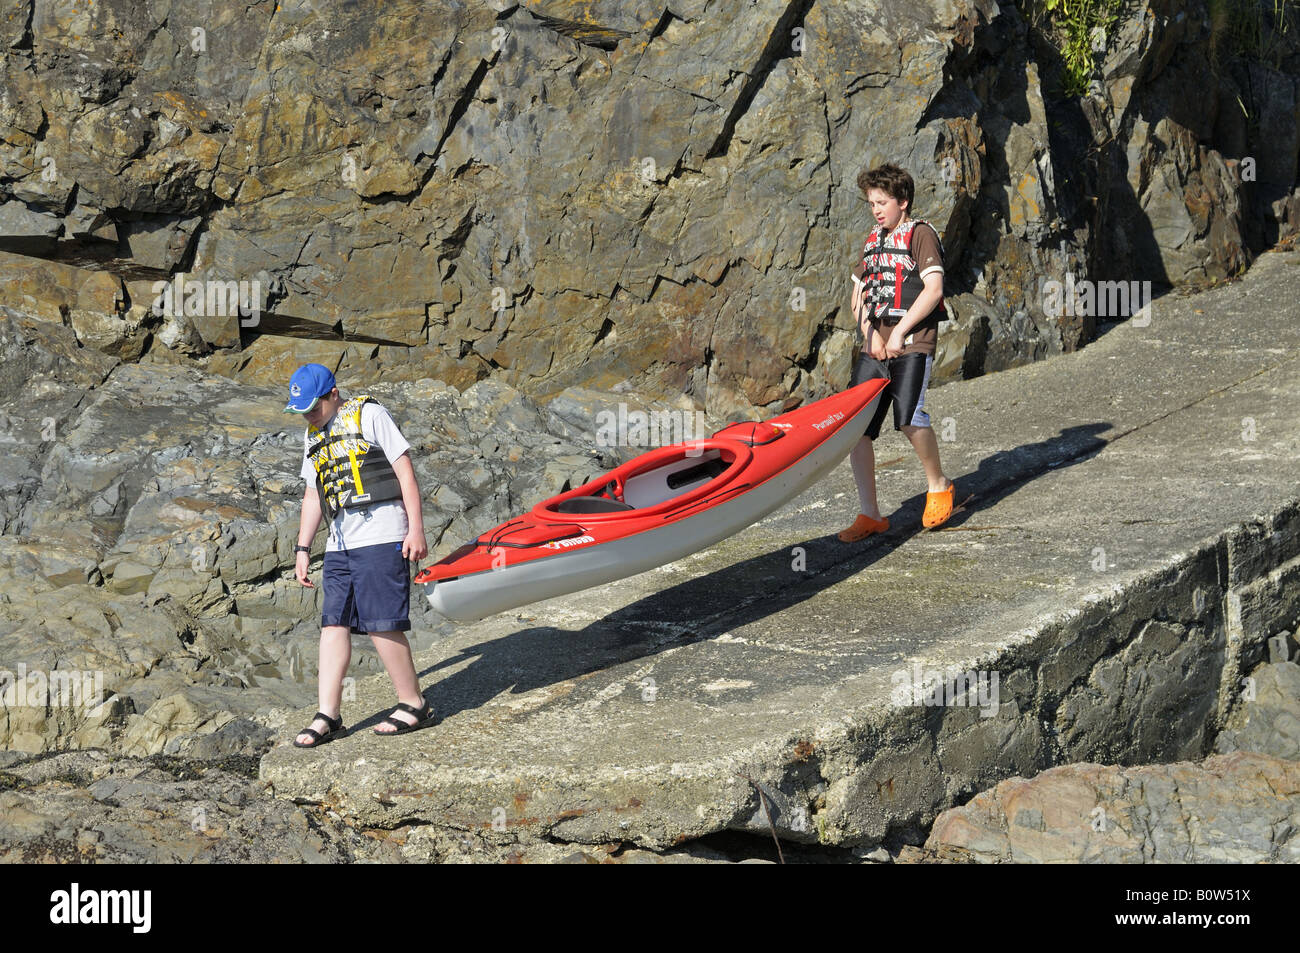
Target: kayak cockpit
column 592, row 504
column 655, row 482
column 675, row 479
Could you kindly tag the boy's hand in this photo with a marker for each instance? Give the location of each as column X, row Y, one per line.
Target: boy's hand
column 894, row 347
column 414, row 545
column 300, row 570
column 876, row 346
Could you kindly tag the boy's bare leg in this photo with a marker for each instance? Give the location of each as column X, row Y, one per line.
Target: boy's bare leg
column 395, row 652
column 927, row 448
column 335, row 654
column 863, row 460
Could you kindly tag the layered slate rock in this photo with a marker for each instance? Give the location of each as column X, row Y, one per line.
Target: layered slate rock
column 555, row 193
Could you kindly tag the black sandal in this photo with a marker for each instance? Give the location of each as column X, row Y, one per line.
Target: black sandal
column 424, row 717
column 335, row 726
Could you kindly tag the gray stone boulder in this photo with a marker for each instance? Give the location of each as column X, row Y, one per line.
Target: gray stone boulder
column 1234, row 808
column 1267, row 717
column 88, row 807
column 25, row 230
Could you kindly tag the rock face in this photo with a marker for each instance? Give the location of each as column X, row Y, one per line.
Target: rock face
column 555, row 193
column 1234, row 808
column 92, row 303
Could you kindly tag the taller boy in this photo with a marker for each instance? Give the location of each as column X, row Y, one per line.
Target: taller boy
column 898, row 304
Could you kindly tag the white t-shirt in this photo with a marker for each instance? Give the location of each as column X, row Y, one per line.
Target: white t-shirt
column 380, row 522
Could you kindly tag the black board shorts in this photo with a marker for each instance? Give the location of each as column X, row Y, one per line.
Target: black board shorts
column 909, row 376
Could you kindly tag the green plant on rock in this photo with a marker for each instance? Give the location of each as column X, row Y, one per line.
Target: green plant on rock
column 1080, row 30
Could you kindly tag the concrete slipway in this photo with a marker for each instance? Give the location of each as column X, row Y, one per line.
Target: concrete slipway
column 1131, row 545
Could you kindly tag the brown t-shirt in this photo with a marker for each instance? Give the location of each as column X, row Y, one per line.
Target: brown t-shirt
column 924, row 337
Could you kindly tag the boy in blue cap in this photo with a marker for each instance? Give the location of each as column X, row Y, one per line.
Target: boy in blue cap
column 359, row 473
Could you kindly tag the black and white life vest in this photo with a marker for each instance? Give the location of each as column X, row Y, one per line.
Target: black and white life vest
column 890, row 273
column 351, row 472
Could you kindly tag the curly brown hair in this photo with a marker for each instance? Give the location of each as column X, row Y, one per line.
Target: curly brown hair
column 890, row 179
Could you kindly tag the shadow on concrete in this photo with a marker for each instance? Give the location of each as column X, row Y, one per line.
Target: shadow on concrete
column 706, row 606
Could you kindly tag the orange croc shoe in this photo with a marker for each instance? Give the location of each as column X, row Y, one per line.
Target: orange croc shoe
column 938, row 507
column 863, row 527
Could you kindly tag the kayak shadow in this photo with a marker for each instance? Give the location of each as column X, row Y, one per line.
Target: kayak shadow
column 706, row 606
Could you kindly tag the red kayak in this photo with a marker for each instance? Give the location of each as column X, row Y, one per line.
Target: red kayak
column 659, row 507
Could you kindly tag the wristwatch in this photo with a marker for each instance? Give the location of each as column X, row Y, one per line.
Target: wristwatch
column 302, row 549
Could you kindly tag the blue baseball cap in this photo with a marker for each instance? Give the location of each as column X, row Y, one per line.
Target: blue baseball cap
column 309, row 384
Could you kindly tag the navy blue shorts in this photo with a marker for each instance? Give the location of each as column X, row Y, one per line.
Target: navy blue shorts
column 367, row 589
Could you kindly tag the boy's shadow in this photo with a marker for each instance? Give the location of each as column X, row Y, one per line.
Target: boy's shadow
column 726, row 599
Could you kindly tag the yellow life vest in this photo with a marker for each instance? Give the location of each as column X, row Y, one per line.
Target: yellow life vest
column 351, row 472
